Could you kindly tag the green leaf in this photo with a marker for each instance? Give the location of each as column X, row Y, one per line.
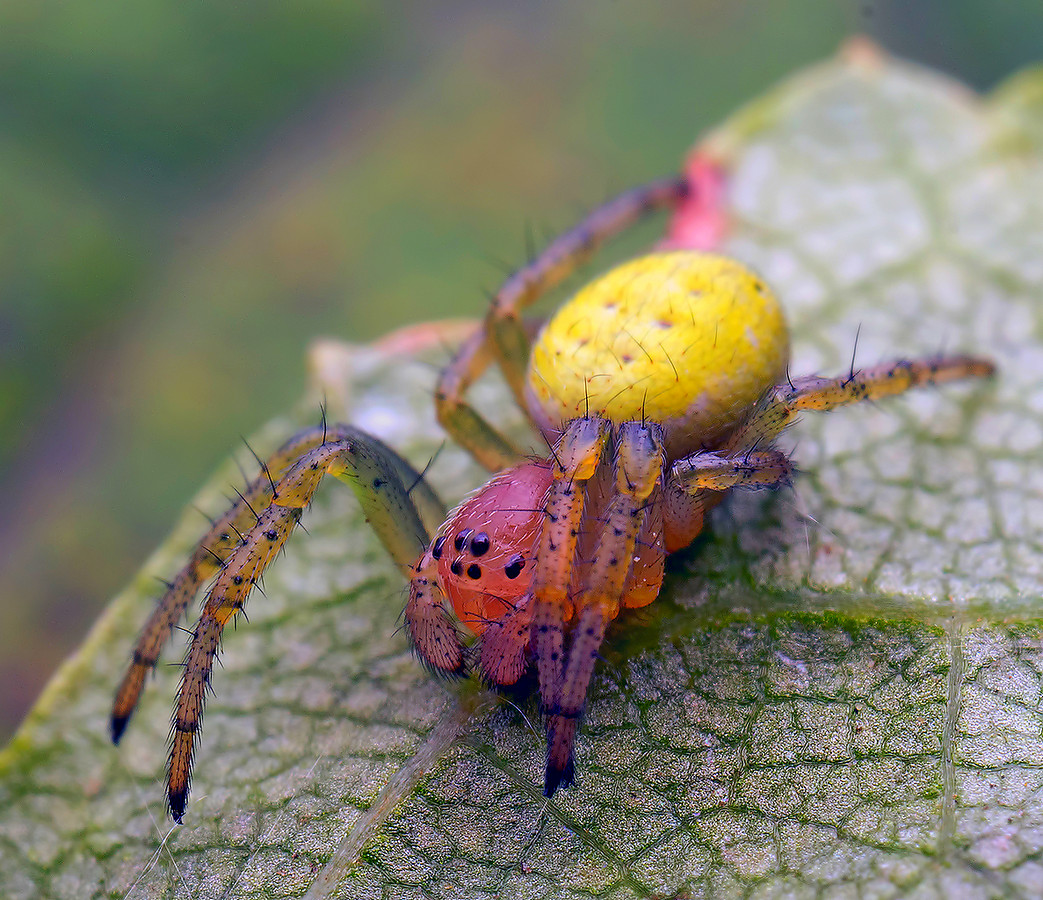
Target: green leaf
column 838, row 694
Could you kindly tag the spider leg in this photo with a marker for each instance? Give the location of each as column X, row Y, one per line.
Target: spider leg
column 400, row 505
column 696, row 483
column 396, row 500
column 645, row 580
column 784, row 402
column 559, row 260
column 504, row 336
column 206, row 560
column 576, row 459
column 463, row 423
column 709, row 471
column 639, row 461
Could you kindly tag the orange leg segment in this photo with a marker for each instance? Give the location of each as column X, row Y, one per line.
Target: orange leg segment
column 576, row 459
column 397, row 501
column 781, row 405
column 639, row 462
column 207, row 559
column 504, row 336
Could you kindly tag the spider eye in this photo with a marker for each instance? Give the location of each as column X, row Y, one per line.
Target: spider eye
column 436, row 550
column 457, row 568
column 474, row 571
column 480, row 543
column 461, row 539
column 514, row 567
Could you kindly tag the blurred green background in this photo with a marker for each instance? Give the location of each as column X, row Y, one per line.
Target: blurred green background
column 190, row 192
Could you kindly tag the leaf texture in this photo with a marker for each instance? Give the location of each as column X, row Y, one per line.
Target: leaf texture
column 838, row 694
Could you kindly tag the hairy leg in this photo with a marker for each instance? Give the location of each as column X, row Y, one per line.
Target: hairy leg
column 711, row 471
column 784, row 402
column 695, row 483
column 576, row 460
column 432, row 630
column 639, row 461
column 504, row 335
column 206, row 560
column 397, row 502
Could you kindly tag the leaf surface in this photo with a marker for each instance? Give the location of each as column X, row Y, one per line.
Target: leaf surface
column 838, row 694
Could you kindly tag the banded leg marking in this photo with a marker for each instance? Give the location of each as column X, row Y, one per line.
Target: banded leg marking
column 504, row 336
column 639, row 463
column 815, row 392
column 576, row 459
column 208, row 557
column 715, row 472
column 395, row 500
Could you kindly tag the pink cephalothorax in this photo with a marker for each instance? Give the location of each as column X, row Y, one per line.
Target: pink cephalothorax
column 486, row 551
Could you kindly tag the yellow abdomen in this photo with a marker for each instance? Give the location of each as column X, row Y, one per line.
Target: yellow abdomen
column 686, row 339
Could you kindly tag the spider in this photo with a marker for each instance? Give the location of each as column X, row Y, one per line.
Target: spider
column 658, row 387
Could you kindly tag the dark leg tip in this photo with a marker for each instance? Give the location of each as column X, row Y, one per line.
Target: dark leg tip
column 117, row 726
column 176, row 803
column 555, row 778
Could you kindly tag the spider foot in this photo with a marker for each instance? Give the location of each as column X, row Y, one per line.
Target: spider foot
column 117, row 725
column 561, row 767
